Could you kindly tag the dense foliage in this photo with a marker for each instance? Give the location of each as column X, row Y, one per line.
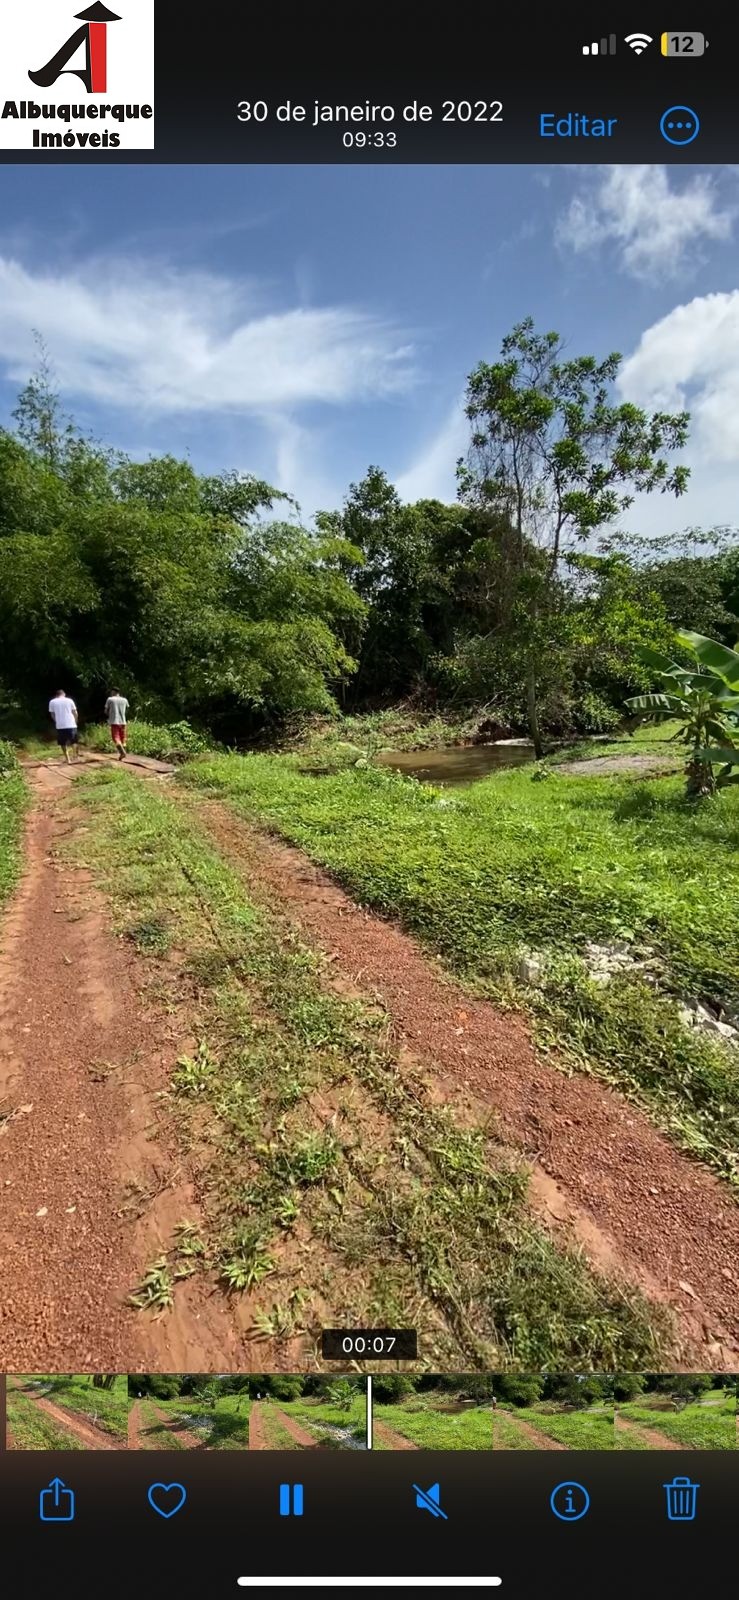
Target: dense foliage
column 208, row 603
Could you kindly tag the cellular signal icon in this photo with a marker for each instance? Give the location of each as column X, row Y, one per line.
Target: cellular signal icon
column 638, row 42
column 606, row 47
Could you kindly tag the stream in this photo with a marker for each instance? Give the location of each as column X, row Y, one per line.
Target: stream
column 456, row 764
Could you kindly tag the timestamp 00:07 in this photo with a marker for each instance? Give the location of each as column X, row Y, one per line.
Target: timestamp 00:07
column 376, row 131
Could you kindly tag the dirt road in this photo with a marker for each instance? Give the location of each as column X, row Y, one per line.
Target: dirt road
column 84, row 1053
column 540, row 1441
column 650, row 1436
column 82, row 1056
column 92, row 1437
column 258, row 1436
column 137, row 1429
column 389, row 1439
column 638, row 1206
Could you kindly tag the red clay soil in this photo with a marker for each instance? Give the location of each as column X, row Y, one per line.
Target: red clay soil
column 134, row 1426
column 258, row 1439
column 391, row 1440
column 540, row 1441
column 76, row 1133
column 189, row 1441
column 638, row 1205
column 650, row 1436
column 92, row 1437
column 170, row 1424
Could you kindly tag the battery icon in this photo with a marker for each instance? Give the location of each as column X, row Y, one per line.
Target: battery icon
column 683, row 44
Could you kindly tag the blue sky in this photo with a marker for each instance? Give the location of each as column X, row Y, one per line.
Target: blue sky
column 301, row 323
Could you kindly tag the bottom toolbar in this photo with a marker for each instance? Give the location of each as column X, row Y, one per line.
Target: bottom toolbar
column 192, row 1523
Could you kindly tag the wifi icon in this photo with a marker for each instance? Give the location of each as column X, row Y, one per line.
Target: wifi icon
column 638, row 42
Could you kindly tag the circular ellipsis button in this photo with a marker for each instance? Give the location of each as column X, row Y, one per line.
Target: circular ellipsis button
column 679, row 125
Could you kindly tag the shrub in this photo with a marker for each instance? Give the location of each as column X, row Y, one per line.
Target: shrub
column 8, row 758
column 174, row 741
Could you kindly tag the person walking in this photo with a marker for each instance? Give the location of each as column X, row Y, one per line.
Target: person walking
column 116, row 710
column 63, row 713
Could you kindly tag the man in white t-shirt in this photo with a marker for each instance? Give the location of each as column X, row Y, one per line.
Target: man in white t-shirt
column 116, row 711
column 63, row 713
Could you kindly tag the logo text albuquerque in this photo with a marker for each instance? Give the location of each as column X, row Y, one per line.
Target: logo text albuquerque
column 93, row 34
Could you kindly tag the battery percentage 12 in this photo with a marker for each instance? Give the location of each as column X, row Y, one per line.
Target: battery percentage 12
column 683, row 44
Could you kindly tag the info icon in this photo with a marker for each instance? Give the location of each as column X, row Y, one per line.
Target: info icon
column 569, row 1501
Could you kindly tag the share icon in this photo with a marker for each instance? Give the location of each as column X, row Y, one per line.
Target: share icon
column 428, row 1500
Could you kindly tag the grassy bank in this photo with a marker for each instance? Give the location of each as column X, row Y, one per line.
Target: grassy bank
column 333, row 1185
column 338, row 743
column 698, row 1427
column 33, row 1429
column 321, row 1417
column 429, row 1427
column 12, row 806
column 576, row 1430
column 513, row 863
column 220, row 1425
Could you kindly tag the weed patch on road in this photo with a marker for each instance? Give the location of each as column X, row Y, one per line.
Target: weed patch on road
column 334, row 1187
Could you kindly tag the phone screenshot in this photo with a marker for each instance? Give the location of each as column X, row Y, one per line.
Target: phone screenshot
column 369, row 800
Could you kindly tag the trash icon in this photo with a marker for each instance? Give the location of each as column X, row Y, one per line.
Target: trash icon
column 681, row 1499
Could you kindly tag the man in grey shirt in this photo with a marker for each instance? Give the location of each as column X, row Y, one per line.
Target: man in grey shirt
column 116, row 709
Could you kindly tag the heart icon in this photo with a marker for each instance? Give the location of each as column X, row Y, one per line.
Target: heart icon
column 167, row 1498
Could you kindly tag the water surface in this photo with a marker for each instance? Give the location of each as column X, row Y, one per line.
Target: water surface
column 456, row 764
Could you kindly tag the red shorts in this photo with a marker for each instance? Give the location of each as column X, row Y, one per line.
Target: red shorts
column 118, row 732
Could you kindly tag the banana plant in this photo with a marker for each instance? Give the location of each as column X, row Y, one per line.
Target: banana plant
column 705, row 698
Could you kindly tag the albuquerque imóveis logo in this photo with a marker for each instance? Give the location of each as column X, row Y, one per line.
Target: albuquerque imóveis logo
column 94, row 35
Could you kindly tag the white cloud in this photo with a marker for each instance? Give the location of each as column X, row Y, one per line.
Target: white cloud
column 297, row 468
column 160, row 341
column 654, row 227
column 432, row 476
column 689, row 360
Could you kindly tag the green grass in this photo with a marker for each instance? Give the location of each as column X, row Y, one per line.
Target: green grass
column 338, row 742
column 223, row 1426
column 506, row 1436
column 513, row 863
column 576, row 1430
column 32, row 1430
column 318, row 1416
column 12, row 807
column 153, row 1435
column 106, row 1409
column 277, row 1435
column 647, row 739
column 698, row 1427
column 166, row 742
column 336, row 1187
column 431, row 1429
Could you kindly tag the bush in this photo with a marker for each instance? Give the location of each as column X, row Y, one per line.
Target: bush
column 173, row 741
column 594, row 714
column 8, row 758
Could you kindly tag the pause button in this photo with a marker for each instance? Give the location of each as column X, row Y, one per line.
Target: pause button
column 291, row 1499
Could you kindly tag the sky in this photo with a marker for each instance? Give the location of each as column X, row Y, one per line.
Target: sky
column 302, row 323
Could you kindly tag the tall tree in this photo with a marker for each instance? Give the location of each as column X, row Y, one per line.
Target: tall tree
column 42, row 422
column 554, row 455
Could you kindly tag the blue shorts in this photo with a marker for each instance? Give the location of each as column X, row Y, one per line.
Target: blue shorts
column 66, row 736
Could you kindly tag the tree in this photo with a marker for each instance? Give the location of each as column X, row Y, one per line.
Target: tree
column 42, row 422
column 705, row 699
column 694, row 575
column 173, row 584
column 683, row 1385
column 519, row 1389
column 627, row 1385
column 553, row 455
